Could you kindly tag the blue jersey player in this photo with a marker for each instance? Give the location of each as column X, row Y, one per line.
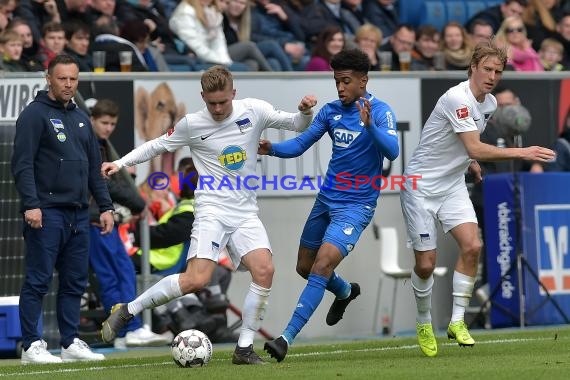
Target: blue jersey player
column 363, row 132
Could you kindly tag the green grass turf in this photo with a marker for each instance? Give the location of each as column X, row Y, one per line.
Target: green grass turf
column 531, row 353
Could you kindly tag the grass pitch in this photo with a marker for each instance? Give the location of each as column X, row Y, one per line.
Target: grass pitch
column 500, row 354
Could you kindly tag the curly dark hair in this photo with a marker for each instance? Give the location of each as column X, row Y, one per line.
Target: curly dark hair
column 351, row 59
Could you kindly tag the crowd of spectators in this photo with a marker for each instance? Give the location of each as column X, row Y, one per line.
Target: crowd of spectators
column 272, row 35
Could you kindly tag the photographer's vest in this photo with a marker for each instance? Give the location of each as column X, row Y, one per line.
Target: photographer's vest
column 164, row 258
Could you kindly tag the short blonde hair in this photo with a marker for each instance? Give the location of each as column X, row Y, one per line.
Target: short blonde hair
column 552, row 44
column 367, row 30
column 216, row 78
column 9, row 35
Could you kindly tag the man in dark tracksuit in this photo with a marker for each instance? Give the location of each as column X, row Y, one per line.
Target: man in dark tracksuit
column 56, row 164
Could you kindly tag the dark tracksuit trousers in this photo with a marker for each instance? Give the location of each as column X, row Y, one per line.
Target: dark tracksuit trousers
column 61, row 243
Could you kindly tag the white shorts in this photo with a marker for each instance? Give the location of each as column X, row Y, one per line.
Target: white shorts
column 421, row 214
column 211, row 236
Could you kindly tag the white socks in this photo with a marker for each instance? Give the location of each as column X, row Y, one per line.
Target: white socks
column 253, row 313
column 422, row 291
column 160, row 293
column 462, row 291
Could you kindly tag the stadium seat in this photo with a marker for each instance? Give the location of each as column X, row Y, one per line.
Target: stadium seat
column 180, row 67
column 474, row 7
column 434, row 13
column 410, row 11
column 492, row 3
column 180, row 63
column 389, row 267
column 456, row 11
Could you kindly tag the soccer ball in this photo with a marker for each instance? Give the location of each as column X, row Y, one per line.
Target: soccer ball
column 191, row 348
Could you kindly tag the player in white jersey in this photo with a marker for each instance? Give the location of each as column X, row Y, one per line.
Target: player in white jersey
column 449, row 145
column 223, row 139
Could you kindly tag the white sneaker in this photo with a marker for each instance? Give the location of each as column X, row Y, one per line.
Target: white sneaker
column 145, row 337
column 38, row 354
column 120, row 344
column 168, row 335
column 79, row 351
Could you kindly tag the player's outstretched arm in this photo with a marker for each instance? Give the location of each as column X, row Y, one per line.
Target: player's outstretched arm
column 480, row 151
column 538, row 153
column 307, row 103
column 169, row 142
column 297, row 146
column 302, row 120
column 270, row 117
column 145, row 152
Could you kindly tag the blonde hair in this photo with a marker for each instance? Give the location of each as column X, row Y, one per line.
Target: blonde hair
column 8, row 36
column 506, row 24
column 216, row 78
column 553, row 44
column 366, row 30
column 244, row 23
column 199, row 9
column 484, row 50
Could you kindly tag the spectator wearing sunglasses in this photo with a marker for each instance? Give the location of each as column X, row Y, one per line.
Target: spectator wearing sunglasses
column 521, row 56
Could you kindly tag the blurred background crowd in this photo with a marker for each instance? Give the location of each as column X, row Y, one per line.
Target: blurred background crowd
column 281, row 35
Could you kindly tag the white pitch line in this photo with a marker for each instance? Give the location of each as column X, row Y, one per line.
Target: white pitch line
column 71, row 370
column 411, row 346
column 335, row 352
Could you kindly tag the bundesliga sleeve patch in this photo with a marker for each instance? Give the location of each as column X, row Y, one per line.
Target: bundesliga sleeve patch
column 170, row 131
column 462, row 113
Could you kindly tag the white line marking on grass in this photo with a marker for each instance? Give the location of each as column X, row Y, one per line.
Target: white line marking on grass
column 70, row 370
column 412, row 346
column 335, row 352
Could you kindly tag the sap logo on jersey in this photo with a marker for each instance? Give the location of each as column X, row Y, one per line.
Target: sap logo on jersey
column 344, row 137
column 232, row 157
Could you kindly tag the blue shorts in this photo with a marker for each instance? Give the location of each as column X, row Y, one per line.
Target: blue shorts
column 339, row 225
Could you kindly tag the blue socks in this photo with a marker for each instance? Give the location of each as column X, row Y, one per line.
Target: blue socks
column 310, row 298
column 339, row 287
